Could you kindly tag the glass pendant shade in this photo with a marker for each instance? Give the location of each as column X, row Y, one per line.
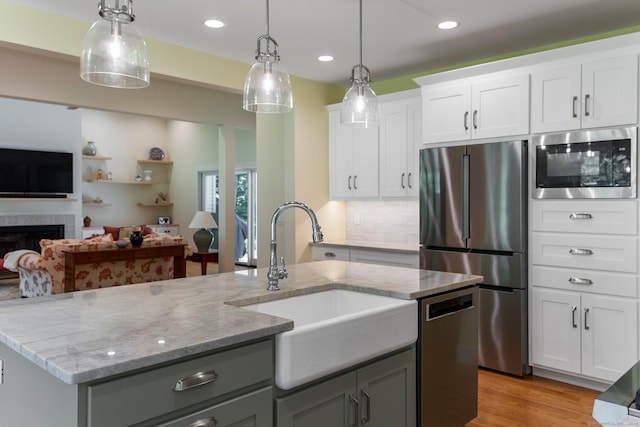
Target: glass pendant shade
column 360, row 105
column 267, row 88
column 114, row 54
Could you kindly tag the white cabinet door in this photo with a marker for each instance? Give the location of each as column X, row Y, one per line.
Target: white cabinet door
column 169, row 230
column 446, row 113
column 500, row 107
column 353, row 161
column 556, row 329
column 594, row 94
column 341, row 146
column 400, row 134
column 586, row 334
column 487, row 109
column 415, row 143
column 365, row 178
column 555, row 99
column 394, row 150
column 609, row 336
column 610, row 92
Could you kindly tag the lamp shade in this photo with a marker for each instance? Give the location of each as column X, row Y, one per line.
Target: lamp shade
column 114, row 54
column 203, row 219
column 202, row 238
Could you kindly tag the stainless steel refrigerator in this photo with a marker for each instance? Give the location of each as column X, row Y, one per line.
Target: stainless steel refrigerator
column 473, row 219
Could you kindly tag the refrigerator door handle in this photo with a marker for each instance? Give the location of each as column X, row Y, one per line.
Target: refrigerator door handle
column 465, row 196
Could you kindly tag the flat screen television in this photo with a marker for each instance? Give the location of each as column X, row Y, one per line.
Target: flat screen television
column 31, row 173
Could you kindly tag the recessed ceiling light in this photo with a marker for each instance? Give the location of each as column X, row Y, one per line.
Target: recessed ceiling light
column 213, row 23
column 447, row 25
column 325, row 58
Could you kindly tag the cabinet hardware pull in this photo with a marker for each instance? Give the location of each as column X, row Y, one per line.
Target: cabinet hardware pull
column 205, row 422
column 575, row 110
column 466, row 120
column 578, row 251
column 349, row 182
column 586, row 104
column 573, row 317
column 402, row 180
column 355, row 185
column 409, row 180
column 580, row 281
column 367, row 398
column 330, row 254
column 475, row 119
column 356, row 406
column 195, row 380
column 580, row 215
column 586, row 312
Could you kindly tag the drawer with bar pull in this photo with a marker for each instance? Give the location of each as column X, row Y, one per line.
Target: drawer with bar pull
column 145, row 395
column 598, row 282
column 594, row 217
column 609, row 253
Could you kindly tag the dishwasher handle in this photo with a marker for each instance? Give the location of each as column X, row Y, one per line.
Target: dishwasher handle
column 449, row 306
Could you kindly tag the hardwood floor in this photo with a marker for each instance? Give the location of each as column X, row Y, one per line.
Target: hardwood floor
column 506, row 401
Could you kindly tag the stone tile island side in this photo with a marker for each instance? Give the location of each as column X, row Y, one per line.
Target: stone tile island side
column 83, row 338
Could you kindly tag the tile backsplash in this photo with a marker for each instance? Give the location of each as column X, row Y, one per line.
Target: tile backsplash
column 383, row 221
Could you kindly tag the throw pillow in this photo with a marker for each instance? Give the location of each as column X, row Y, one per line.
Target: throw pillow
column 2, row 264
column 146, row 230
column 125, row 232
column 114, row 231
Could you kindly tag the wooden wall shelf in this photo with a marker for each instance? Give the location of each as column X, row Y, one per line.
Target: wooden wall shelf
column 159, row 162
column 155, row 205
column 96, row 157
column 99, row 205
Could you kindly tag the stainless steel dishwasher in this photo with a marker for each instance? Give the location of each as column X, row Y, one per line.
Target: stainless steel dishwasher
column 448, row 359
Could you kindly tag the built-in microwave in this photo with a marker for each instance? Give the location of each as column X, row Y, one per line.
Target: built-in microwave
column 588, row 164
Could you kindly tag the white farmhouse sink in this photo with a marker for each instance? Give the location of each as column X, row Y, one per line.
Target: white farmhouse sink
column 336, row 329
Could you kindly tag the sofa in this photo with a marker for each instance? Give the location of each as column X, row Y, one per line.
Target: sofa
column 44, row 273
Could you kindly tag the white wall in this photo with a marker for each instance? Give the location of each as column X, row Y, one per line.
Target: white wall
column 38, row 126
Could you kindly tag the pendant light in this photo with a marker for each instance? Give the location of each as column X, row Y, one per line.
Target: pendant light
column 267, row 88
column 114, row 54
column 360, row 103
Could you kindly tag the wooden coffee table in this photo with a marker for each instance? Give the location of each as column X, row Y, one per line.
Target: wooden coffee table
column 203, row 258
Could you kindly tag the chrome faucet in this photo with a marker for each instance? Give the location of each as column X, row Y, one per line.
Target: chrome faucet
column 275, row 273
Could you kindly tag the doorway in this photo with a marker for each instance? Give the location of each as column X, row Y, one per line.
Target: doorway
column 246, row 231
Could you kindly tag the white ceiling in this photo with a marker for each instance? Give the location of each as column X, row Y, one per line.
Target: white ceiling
column 399, row 36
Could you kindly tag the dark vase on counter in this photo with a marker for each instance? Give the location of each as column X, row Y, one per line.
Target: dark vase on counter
column 136, row 238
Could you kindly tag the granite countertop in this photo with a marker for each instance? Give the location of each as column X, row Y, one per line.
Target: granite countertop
column 367, row 244
column 88, row 335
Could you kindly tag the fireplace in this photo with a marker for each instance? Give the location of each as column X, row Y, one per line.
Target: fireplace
column 27, row 236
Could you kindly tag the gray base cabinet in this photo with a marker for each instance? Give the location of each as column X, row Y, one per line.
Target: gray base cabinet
column 381, row 394
column 241, row 394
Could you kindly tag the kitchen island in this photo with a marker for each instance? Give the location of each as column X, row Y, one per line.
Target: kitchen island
column 68, row 358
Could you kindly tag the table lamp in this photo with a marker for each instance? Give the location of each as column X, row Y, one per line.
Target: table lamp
column 203, row 237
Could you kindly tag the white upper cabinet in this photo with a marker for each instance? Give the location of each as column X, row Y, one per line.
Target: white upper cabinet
column 353, row 160
column 594, row 94
column 486, row 108
column 400, row 139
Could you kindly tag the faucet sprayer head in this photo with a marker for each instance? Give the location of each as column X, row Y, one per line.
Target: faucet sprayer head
column 317, row 234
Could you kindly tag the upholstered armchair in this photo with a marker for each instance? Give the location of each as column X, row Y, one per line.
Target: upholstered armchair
column 44, row 273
